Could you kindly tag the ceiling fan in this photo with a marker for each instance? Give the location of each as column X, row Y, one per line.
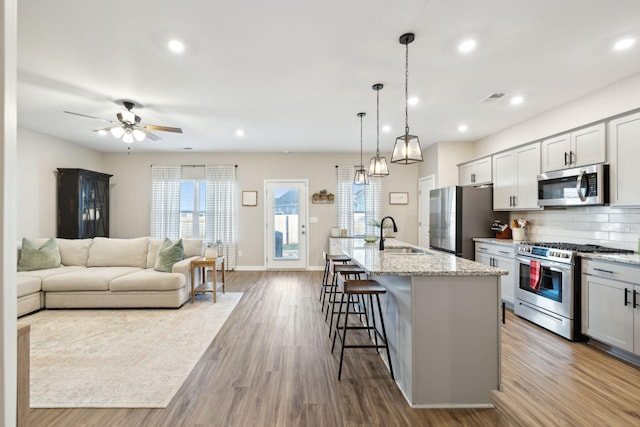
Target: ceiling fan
column 128, row 127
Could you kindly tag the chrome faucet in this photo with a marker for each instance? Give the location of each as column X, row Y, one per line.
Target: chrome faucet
column 395, row 230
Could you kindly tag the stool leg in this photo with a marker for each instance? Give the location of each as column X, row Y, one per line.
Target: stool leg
column 344, row 339
column 373, row 321
column 337, row 324
column 324, row 281
column 384, row 335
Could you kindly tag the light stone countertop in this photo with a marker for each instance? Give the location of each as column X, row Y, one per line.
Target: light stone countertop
column 431, row 263
column 633, row 259
column 504, row 242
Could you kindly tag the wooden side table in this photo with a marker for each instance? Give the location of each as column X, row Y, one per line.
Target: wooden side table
column 203, row 264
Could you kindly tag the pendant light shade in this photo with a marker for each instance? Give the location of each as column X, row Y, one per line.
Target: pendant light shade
column 378, row 164
column 361, row 177
column 407, row 148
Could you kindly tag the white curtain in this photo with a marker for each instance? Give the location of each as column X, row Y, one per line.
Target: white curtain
column 345, row 198
column 221, row 210
column 165, row 202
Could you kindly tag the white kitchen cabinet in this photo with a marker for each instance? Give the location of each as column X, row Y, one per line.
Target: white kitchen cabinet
column 477, row 172
column 583, row 147
column 500, row 256
column 515, row 185
column 624, row 152
column 611, row 304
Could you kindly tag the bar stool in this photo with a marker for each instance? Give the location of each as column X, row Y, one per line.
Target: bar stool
column 344, row 259
column 349, row 271
column 361, row 287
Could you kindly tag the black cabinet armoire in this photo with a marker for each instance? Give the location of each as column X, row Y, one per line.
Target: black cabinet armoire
column 83, row 204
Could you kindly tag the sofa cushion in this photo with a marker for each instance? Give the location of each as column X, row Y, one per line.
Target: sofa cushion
column 148, row 280
column 106, row 252
column 168, row 254
column 87, row 279
column 152, row 253
column 74, row 251
column 41, row 274
column 28, row 285
column 36, row 257
column 192, row 247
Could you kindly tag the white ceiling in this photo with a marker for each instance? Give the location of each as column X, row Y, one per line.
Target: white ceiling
column 293, row 74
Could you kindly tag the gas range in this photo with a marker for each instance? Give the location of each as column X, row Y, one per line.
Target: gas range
column 561, row 251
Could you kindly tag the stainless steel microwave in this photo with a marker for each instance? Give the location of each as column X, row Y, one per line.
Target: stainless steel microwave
column 588, row 185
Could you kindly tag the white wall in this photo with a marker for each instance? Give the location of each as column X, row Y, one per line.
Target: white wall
column 131, row 194
column 39, row 156
column 8, row 294
column 603, row 225
column 441, row 159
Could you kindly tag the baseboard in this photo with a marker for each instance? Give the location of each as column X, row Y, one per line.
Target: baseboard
column 263, row 268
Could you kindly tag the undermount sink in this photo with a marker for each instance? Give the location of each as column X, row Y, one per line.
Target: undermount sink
column 404, row 250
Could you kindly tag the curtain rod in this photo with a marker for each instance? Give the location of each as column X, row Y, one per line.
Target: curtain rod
column 194, row 165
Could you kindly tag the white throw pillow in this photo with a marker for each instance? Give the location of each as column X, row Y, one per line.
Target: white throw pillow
column 74, row 251
column 192, row 248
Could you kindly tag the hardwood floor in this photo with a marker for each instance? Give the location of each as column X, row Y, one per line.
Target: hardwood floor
column 271, row 365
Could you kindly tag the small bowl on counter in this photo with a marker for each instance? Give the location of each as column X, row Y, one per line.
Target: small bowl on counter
column 370, row 239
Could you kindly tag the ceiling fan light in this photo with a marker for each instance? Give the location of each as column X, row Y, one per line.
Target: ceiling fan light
column 117, row 131
column 406, row 150
column 127, row 137
column 138, row 135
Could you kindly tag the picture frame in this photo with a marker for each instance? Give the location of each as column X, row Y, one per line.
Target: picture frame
column 398, row 198
column 249, row 198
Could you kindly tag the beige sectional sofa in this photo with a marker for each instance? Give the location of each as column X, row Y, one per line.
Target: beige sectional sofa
column 107, row 273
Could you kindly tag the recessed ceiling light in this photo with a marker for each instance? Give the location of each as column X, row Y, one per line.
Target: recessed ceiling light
column 624, row 44
column 386, row 128
column 467, row 46
column 413, row 100
column 240, row 132
column 102, row 132
column 175, row 46
column 517, row 100
column 462, row 128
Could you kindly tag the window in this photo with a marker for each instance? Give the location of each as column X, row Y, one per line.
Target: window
column 358, row 205
column 192, row 205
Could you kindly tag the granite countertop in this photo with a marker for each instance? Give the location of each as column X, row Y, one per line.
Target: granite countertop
column 504, row 242
column 429, row 263
column 633, row 259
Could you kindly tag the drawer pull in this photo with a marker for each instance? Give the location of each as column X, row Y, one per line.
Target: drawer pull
column 503, row 252
column 603, row 271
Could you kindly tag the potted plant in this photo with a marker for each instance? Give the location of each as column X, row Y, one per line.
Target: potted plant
column 211, row 251
column 323, row 194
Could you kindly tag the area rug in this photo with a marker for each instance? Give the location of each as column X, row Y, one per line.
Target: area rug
column 129, row 358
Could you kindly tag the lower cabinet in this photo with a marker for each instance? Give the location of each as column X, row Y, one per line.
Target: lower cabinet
column 611, row 304
column 500, row 256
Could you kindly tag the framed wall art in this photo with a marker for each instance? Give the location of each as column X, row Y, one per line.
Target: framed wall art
column 249, row 198
column 398, row 198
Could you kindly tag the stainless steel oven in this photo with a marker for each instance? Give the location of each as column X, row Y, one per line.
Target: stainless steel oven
column 551, row 303
column 548, row 284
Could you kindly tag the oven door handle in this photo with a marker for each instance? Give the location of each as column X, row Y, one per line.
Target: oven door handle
column 581, row 177
column 553, row 266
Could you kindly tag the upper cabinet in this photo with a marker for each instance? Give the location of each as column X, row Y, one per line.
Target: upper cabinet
column 477, row 172
column 515, row 185
column 586, row 146
column 624, row 152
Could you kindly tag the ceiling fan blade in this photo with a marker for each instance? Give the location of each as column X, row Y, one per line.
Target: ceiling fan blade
column 150, row 135
column 89, row 117
column 106, row 129
column 162, row 128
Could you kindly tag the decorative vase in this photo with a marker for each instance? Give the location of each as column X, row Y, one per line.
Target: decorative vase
column 211, row 253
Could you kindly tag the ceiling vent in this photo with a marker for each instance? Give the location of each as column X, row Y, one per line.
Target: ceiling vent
column 492, row 97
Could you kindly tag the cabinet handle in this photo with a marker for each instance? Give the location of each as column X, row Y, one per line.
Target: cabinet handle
column 503, row 252
column 481, row 248
column 473, row 177
column 565, row 159
column 603, row 271
column 510, row 200
column 515, row 201
column 626, row 297
column 635, row 302
column 572, row 157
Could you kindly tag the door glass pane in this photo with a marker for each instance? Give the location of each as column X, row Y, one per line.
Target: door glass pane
column 285, row 220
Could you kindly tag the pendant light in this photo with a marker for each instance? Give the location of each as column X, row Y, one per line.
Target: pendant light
column 407, row 148
column 361, row 177
column 378, row 165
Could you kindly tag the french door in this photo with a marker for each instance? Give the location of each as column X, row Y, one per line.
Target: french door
column 286, row 224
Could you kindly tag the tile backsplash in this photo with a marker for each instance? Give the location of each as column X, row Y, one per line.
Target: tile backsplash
column 602, row 225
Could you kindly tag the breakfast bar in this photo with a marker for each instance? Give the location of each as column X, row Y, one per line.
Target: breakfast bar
column 442, row 315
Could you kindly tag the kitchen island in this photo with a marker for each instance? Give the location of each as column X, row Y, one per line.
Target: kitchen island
column 442, row 315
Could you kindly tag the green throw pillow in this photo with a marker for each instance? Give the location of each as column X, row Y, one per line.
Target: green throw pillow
column 34, row 258
column 168, row 254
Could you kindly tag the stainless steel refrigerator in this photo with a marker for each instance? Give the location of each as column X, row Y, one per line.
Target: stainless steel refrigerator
column 457, row 215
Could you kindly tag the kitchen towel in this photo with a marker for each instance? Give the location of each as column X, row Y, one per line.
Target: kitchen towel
column 534, row 274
